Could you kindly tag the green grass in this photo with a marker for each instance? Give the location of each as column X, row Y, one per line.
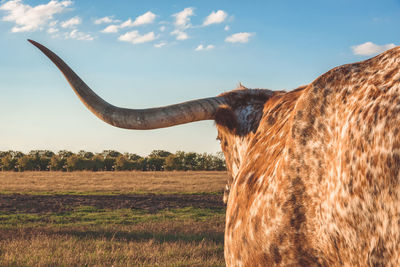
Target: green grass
column 88, row 236
column 87, row 215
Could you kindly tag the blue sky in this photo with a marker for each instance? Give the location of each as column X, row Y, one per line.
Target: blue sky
column 141, row 54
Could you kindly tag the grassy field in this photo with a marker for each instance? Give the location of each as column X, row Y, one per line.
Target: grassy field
column 112, row 182
column 112, row 219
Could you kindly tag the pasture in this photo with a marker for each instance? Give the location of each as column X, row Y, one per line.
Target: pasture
column 112, row 218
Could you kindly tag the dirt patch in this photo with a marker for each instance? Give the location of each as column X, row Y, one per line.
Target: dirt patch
column 24, row 203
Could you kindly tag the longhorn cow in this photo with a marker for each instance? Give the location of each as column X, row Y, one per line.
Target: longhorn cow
column 314, row 171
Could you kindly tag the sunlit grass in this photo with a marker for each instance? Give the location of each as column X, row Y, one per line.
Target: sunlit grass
column 112, row 182
column 86, row 235
column 181, row 243
column 87, row 215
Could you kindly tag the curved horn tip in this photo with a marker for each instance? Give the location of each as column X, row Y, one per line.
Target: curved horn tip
column 38, row 45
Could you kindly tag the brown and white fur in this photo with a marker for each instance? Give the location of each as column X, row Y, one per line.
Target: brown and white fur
column 315, row 171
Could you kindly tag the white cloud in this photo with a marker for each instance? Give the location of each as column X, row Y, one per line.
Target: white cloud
column 241, row 37
column 182, row 19
column 111, row 29
column 201, row 47
column 146, row 18
column 180, row 35
column 162, row 28
column 52, row 30
column 127, row 23
column 215, row 18
column 226, row 28
column 159, row 45
column 134, row 37
column 29, row 18
column 106, row 20
column 182, row 22
column 71, row 22
column 369, row 48
column 75, row 34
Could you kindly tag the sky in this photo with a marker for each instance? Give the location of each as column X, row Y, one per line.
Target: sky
column 140, row 54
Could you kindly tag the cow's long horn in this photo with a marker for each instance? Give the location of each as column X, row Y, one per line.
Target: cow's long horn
column 141, row 119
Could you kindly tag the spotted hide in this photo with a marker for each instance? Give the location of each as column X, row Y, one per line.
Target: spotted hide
column 315, row 171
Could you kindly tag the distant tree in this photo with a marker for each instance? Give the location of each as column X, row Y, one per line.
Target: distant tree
column 109, row 160
column 8, row 163
column 109, row 163
column 134, row 156
column 15, row 154
column 140, row 164
column 173, row 162
column 123, row 163
column 64, row 154
column 181, row 158
column 205, row 162
column 75, row 163
column 88, row 164
column 48, row 153
column 26, row 163
column 159, row 154
column 156, row 160
column 40, row 159
column 9, row 160
column 98, row 163
column 155, row 163
column 4, row 153
column 41, row 153
column 57, row 163
column 44, row 163
column 85, row 154
column 219, row 162
column 110, row 153
column 191, row 161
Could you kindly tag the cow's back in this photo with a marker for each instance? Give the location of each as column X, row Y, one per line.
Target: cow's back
column 329, row 196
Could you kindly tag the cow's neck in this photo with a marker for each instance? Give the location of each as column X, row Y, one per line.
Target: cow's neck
column 257, row 183
column 235, row 139
column 259, row 132
column 238, row 152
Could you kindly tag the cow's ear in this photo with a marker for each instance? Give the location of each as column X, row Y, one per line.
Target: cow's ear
column 226, row 117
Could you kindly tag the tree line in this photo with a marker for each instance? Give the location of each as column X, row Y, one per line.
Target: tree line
column 110, row 160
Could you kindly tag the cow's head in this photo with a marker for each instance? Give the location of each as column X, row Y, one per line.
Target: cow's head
column 236, row 113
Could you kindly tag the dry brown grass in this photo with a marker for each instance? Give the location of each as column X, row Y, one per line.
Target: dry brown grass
column 121, row 182
column 182, row 243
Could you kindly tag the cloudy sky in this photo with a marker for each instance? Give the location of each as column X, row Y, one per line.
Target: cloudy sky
column 142, row 54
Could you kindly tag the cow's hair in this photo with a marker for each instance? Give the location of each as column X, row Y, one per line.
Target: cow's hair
column 315, row 171
column 225, row 117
